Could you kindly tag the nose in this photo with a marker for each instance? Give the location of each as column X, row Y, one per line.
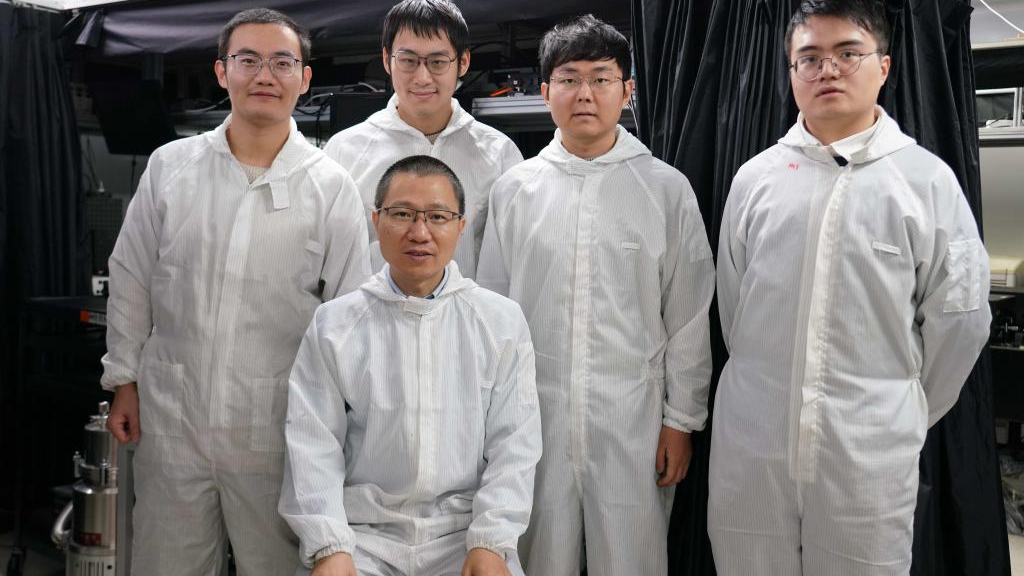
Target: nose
column 829, row 68
column 422, row 74
column 418, row 230
column 264, row 75
column 584, row 93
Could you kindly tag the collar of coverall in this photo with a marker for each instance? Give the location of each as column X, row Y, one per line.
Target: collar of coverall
column 626, row 147
column 883, row 138
column 294, row 155
column 388, row 119
column 378, row 287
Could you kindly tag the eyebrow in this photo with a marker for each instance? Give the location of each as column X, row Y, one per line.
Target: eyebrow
column 431, row 206
column 255, row 53
column 414, row 53
column 574, row 70
column 844, row 44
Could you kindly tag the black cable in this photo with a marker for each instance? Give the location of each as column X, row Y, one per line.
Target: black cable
column 470, row 82
column 131, row 179
column 319, row 111
column 206, row 108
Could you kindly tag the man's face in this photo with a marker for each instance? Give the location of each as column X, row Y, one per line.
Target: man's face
column 418, row 251
column 420, row 92
column 586, row 112
column 832, row 98
column 267, row 97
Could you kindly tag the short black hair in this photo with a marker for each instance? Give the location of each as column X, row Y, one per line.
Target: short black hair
column 867, row 14
column 262, row 16
column 427, row 19
column 583, row 38
column 420, row 166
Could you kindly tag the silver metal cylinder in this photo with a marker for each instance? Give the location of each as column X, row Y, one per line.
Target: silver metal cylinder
column 95, row 516
column 91, row 542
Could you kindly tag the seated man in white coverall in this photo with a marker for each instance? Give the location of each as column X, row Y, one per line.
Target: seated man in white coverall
column 232, row 240
column 853, row 294
column 425, row 52
column 604, row 248
column 413, row 427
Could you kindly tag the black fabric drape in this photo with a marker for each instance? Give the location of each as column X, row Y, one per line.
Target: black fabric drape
column 713, row 92
column 43, row 244
column 960, row 526
column 42, row 247
column 189, row 26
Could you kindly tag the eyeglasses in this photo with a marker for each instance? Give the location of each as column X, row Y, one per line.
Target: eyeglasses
column 572, row 82
column 407, row 61
column 402, row 216
column 808, row 68
column 251, row 64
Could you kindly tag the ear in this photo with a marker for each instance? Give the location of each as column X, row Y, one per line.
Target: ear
column 462, row 225
column 307, row 75
column 544, row 93
column 387, row 60
column 375, row 217
column 463, row 63
column 222, row 74
column 627, row 90
column 886, row 64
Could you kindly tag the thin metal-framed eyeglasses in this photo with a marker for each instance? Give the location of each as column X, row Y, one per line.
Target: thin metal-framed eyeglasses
column 406, row 61
column 808, row 68
column 572, row 82
column 251, row 64
column 400, row 215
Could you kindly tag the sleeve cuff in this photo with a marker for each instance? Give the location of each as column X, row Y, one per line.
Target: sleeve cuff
column 676, row 425
column 113, row 385
column 490, row 547
column 330, row 551
column 678, row 421
column 117, row 373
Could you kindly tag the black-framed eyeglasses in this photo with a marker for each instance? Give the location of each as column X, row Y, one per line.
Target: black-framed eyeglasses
column 406, row 216
column 251, row 64
column 808, row 68
column 406, row 61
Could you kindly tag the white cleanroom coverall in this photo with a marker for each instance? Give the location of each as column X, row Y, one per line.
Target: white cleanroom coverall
column 477, row 153
column 854, row 303
column 611, row 264
column 213, row 281
column 413, row 429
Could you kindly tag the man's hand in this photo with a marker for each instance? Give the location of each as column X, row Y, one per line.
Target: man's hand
column 339, row 564
column 483, row 562
column 672, row 459
column 123, row 420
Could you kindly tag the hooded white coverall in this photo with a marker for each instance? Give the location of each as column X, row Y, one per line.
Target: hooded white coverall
column 477, row 153
column 611, row 264
column 213, row 282
column 853, row 302
column 413, row 429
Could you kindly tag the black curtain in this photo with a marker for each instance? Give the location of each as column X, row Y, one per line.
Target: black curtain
column 42, row 243
column 713, row 92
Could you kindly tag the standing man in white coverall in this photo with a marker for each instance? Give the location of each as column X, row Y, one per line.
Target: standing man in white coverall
column 604, row 248
column 413, row 426
column 230, row 243
column 426, row 52
column 853, row 294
